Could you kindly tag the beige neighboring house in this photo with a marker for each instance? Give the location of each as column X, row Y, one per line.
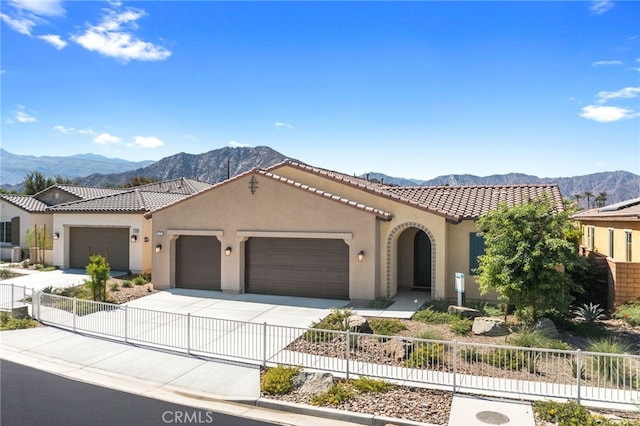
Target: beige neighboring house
column 83, row 221
column 299, row 230
column 613, row 234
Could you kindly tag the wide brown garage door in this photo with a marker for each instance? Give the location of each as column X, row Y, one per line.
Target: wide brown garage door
column 112, row 243
column 198, row 262
column 304, row 267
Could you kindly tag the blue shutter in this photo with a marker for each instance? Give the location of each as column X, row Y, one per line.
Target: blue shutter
column 476, row 248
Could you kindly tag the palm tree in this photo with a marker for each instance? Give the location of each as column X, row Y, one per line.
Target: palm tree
column 588, row 196
column 601, row 199
column 577, row 197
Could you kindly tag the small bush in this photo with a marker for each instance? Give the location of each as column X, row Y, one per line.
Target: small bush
column 381, row 303
column 470, row 355
column 615, row 369
column 425, row 354
column 386, row 327
column 5, row 273
column 588, row 312
column 127, row 284
column 278, row 380
column 439, row 305
column 461, row 326
column 430, row 316
column 366, row 384
column 486, row 309
column 528, row 338
column 563, row 414
column 114, row 287
column 629, row 312
column 334, row 396
column 336, row 320
column 429, row 335
column 507, row 359
column 140, row 280
column 8, row 322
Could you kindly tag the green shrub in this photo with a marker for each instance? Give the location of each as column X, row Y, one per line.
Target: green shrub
column 430, row 316
column 486, row 309
column 612, row 368
column 386, row 326
column 629, row 312
column 425, row 354
column 8, row 322
column 439, row 305
column 98, row 269
column 366, row 384
column 429, row 335
column 588, row 312
column 334, row 396
column 141, row 279
column 336, row 320
column 470, row 355
column 461, row 326
column 5, row 273
column 380, row 303
column 507, row 359
column 278, row 380
column 528, row 338
column 127, row 284
column 579, row 328
column 563, row 414
column 114, row 287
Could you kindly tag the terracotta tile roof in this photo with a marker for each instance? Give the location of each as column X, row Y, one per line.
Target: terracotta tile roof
column 132, row 201
column 324, row 194
column 176, row 186
column 454, row 203
column 624, row 210
column 471, row 202
column 25, row 202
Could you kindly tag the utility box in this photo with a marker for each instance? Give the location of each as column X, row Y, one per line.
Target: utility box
column 16, row 255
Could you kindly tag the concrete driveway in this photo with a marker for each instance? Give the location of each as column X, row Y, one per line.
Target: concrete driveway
column 256, row 308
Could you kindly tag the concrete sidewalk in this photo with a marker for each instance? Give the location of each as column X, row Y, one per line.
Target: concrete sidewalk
column 207, row 383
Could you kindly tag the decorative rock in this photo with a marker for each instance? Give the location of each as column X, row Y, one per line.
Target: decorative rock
column 463, row 311
column 395, row 349
column 359, row 324
column 489, row 326
column 299, row 379
column 317, row 382
column 547, row 327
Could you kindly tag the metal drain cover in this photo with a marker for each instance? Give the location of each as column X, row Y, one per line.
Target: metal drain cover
column 492, row 418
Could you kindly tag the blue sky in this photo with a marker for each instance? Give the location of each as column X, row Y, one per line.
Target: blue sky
column 415, row 89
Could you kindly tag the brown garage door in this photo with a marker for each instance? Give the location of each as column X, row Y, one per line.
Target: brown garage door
column 304, row 267
column 198, row 262
column 98, row 239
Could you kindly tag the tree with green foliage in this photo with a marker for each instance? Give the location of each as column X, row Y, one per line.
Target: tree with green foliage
column 99, row 271
column 35, row 182
column 138, row 181
column 528, row 250
column 38, row 240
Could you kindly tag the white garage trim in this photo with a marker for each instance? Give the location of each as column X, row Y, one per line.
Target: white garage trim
column 296, row 234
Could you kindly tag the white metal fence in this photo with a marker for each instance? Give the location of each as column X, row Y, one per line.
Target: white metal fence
column 13, row 296
column 460, row 366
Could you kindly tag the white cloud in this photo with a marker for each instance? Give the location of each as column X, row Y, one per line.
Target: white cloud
column 236, row 144
column 39, row 7
column 22, row 116
column 54, row 40
column 598, row 7
column 281, row 124
column 106, row 139
column 606, row 114
column 599, row 63
column 69, row 130
column 148, row 142
column 19, row 24
column 627, row 92
column 112, row 38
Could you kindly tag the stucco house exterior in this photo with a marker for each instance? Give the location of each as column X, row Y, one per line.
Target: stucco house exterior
column 84, row 220
column 613, row 234
column 299, row 230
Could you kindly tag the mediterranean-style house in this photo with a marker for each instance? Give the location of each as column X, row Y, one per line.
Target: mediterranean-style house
column 298, row 230
column 613, row 234
column 83, row 220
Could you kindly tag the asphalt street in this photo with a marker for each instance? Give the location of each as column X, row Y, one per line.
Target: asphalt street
column 32, row 397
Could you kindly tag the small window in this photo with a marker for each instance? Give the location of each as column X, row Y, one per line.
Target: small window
column 592, row 238
column 5, row 232
column 476, row 248
column 610, row 242
column 628, row 241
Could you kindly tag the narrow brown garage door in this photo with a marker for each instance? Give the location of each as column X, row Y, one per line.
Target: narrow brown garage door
column 198, row 262
column 297, row 267
column 81, row 240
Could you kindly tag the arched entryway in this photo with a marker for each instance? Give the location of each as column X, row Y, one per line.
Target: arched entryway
column 414, row 258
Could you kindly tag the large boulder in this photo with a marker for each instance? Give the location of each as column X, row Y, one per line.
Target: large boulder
column 396, row 349
column 358, row 324
column 317, row 382
column 489, row 326
column 463, row 311
column 546, row 327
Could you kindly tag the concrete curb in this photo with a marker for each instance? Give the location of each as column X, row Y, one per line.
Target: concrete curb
column 335, row 414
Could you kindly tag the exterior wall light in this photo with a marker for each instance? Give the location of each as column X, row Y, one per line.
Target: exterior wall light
column 146, row 239
column 227, row 251
column 56, row 235
column 158, row 248
column 361, row 256
column 134, row 238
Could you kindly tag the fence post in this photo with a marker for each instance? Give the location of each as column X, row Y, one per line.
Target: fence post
column 455, row 363
column 74, row 314
column 189, row 333
column 348, row 340
column 126, row 318
column 264, row 344
column 578, row 372
column 12, row 297
column 39, row 299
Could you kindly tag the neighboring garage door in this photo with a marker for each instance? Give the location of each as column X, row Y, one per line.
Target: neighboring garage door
column 304, row 267
column 81, row 240
column 198, row 262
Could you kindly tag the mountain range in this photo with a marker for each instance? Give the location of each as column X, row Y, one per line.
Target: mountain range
column 216, row 165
